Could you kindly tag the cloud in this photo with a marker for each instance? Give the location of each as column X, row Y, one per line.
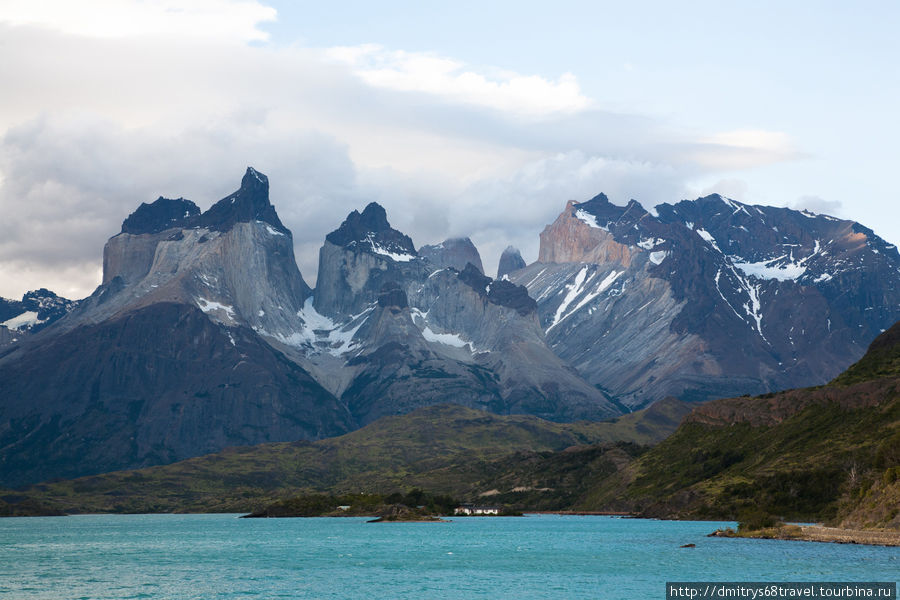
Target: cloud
column 229, row 19
column 529, row 95
column 736, row 189
column 92, row 125
column 743, row 149
column 818, row 205
column 513, row 210
column 69, row 183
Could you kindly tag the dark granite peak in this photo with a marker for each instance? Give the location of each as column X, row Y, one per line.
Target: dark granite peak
column 370, row 228
column 253, row 179
column 608, row 213
column 249, row 203
column 162, row 214
column 502, row 293
column 48, row 305
column 511, row 260
column 452, row 252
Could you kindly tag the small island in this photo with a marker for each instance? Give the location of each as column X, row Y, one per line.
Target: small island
column 400, row 513
column 413, row 506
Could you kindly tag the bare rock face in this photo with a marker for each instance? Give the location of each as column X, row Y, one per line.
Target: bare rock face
column 576, row 236
column 415, row 335
column 710, row 298
column 177, row 353
column 454, row 252
column 152, row 386
column 467, row 339
column 511, row 260
column 235, row 262
column 359, row 258
column 161, row 215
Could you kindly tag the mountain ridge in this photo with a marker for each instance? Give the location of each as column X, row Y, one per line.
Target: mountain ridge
column 709, row 298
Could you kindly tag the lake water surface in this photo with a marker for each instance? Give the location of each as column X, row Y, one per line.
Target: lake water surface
column 546, row 556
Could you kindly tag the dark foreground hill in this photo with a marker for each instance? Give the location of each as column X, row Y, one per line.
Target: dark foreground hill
column 446, row 449
column 826, row 453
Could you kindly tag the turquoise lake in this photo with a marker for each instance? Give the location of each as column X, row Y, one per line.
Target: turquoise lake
column 546, row 556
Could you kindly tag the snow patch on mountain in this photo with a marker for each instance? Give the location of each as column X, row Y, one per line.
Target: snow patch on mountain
column 590, row 219
column 270, row 229
column 320, row 333
column 578, row 287
column 396, row 256
column 650, row 243
column 448, row 339
column 26, row 320
column 771, row 269
column 209, row 306
column 707, row 236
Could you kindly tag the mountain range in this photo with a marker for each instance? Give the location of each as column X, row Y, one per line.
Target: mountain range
column 203, row 333
column 709, row 298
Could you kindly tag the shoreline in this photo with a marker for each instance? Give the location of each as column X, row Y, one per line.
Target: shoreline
column 580, row 513
column 820, row 534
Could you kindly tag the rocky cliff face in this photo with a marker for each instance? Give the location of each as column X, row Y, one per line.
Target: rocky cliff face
column 359, row 258
column 454, row 252
column 709, row 298
column 174, row 354
column 234, row 262
column 151, row 386
column 416, row 333
column 511, row 260
column 203, row 335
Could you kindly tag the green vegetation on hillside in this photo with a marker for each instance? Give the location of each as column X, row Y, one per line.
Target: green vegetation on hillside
column 882, row 360
column 415, row 503
column 829, row 453
column 445, row 449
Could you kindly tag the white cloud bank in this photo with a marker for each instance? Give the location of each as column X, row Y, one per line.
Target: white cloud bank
column 97, row 118
column 225, row 19
column 528, row 95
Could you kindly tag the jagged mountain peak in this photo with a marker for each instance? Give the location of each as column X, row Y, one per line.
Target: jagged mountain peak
column 161, row 214
column 370, row 230
column 452, row 252
column 601, row 213
column 37, row 310
column 803, row 292
column 511, row 260
column 599, row 199
column 253, row 178
column 249, row 203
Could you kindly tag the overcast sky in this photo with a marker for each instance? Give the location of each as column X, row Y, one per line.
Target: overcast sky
column 462, row 118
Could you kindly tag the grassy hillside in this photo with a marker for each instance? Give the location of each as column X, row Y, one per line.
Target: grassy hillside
column 444, row 449
column 828, row 453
